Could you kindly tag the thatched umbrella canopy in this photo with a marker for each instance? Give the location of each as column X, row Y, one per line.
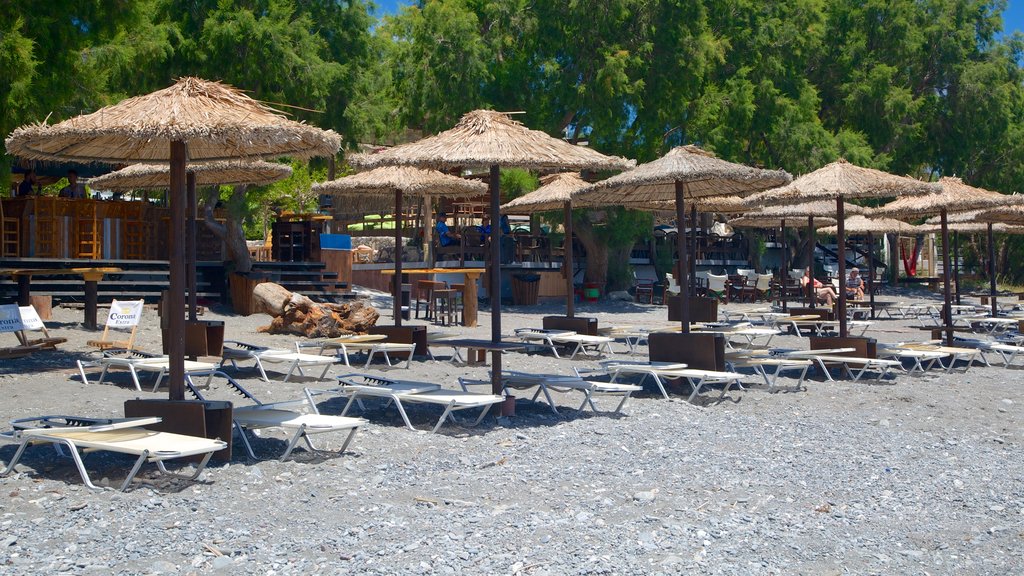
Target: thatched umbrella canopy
column 158, row 176
column 764, row 223
column 838, row 182
column 860, row 224
column 555, row 193
column 399, row 181
column 486, row 137
column 1004, row 219
column 224, row 173
column 195, row 120
column 685, row 172
column 955, row 196
column 815, row 209
column 716, row 204
column 1011, row 215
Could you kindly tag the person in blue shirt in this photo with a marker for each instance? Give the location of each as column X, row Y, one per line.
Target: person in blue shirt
column 485, row 226
column 445, row 237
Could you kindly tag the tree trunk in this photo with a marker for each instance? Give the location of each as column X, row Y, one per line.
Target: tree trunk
column 597, row 251
column 1004, row 257
column 297, row 314
column 894, row 259
column 231, row 232
column 618, row 268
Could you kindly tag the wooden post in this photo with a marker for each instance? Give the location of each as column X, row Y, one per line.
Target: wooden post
column 956, row 265
column 784, row 273
column 398, row 259
column 841, row 253
column 176, row 261
column 693, row 249
column 992, row 270
column 684, row 292
column 871, row 272
column 495, row 192
column 947, row 311
column 570, row 304
column 811, row 299
column 190, row 243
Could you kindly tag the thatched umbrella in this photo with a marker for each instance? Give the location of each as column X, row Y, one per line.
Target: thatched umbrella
column 970, row 223
column 399, row 181
column 1003, row 217
column 954, row 196
column 686, row 172
column 556, row 192
column 193, row 120
column 837, row 182
column 860, row 224
column 486, row 137
column 762, row 222
column 158, row 176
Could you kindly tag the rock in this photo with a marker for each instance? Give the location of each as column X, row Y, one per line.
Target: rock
column 621, row 296
column 221, row 562
column 644, row 497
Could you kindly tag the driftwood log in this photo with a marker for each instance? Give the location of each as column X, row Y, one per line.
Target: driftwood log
column 297, row 314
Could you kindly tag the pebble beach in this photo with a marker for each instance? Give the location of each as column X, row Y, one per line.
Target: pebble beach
column 909, row 475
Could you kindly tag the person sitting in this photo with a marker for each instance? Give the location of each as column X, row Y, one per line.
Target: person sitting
column 73, row 189
column 25, row 187
column 824, row 293
column 855, row 285
column 485, row 227
column 445, row 237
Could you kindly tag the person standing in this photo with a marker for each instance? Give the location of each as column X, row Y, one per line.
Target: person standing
column 74, row 189
column 25, row 187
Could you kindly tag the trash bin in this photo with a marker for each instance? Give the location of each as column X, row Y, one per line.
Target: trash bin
column 406, row 301
column 525, row 288
column 591, row 291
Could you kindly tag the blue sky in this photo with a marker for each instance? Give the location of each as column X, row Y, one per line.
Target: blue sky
column 1013, row 17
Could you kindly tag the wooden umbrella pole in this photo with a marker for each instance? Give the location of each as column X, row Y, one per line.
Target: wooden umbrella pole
column 570, row 287
column 810, row 262
column 947, row 311
column 190, row 243
column 841, row 253
column 871, row 272
column 494, row 185
column 398, row 259
column 684, row 293
column 693, row 250
column 956, row 265
column 176, row 264
column 992, row 270
column 784, row 272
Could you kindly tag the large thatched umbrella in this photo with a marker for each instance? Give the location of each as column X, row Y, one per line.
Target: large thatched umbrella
column 1010, row 218
column 193, row 120
column 838, row 182
column 158, row 176
column 763, row 222
column 556, row 192
column 686, row 172
column 489, row 138
column 860, row 224
column 955, row 196
column 399, row 181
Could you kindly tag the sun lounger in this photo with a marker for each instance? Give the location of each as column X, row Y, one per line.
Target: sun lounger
column 923, row 360
column 125, row 436
column 761, row 362
column 136, row 361
column 235, row 352
column 631, row 336
column 281, row 415
column 744, row 315
column 855, row 366
column 356, row 387
column 546, row 383
column 992, row 326
column 658, row 371
column 954, row 353
column 553, row 339
column 1007, row 352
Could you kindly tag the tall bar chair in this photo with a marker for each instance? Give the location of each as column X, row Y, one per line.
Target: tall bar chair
column 10, row 234
column 47, row 227
column 88, row 242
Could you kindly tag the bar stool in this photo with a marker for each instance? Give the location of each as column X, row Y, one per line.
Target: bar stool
column 10, row 234
column 88, row 243
column 443, row 302
column 45, row 210
column 425, row 296
column 460, row 292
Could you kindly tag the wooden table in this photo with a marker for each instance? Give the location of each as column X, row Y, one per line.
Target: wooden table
column 469, row 290
column 91, row 276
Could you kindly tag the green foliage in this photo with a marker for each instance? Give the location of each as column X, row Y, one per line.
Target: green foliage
column 515, row 182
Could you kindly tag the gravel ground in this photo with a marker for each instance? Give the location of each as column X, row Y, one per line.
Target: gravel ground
column 916, row 475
